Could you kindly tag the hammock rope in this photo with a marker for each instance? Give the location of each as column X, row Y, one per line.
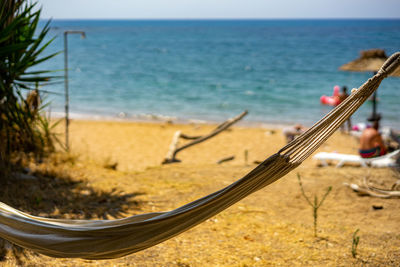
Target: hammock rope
column 104, row 239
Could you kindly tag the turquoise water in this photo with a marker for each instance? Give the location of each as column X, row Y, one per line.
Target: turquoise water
column 215, row 69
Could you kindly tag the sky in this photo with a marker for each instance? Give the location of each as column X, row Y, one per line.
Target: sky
column 218, row 9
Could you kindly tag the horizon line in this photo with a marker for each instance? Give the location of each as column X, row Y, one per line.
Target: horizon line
column 283, row 18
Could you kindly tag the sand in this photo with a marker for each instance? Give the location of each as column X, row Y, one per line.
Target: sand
column 114, row 170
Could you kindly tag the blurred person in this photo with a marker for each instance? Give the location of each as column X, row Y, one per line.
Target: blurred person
column 342, row 96
column 291, row 133
column 371, row 142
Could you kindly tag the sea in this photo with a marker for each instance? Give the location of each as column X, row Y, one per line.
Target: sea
column 211, row 70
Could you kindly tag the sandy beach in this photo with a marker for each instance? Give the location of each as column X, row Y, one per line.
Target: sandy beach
column 96, row 101
column 115, row 170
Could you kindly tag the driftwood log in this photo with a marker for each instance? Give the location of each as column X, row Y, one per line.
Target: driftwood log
column 368, row 190
column 174, row 149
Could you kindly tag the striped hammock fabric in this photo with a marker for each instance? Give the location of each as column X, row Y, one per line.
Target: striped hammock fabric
column 104, row 239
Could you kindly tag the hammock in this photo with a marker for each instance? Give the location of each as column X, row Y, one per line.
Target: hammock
column 104, row 239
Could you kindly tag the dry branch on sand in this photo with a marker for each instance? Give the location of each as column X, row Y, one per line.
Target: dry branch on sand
column 174, row 148
column 225, row 159
column 366, row 189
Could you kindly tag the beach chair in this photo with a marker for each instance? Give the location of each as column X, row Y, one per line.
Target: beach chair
column 388, row 160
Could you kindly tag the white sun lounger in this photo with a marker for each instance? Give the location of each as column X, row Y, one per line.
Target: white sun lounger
column 388, row 160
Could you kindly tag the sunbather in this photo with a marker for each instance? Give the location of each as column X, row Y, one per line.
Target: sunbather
column 292, row 132
column 371, row 143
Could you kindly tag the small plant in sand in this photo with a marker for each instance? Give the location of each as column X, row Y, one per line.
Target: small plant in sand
column 356, row 240
column 316, row 205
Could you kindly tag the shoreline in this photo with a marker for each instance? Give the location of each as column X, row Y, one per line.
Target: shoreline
column 160, row 118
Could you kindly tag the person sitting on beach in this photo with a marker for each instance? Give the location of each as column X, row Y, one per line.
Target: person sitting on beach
column 292, row 132
column 371, row 142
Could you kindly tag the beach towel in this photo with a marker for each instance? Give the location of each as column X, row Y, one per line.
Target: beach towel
column 102, row 239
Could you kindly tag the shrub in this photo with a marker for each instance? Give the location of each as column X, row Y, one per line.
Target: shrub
column 22, row 129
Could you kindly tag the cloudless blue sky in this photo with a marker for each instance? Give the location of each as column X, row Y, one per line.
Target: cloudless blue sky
column 222, row 9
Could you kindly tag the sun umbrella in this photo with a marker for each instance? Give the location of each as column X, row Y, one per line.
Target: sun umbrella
column 371, row 61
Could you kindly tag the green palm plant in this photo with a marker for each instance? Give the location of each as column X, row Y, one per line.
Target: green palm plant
column 22, row 129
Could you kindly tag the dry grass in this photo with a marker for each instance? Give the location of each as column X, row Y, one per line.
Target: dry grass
column 271, row 227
